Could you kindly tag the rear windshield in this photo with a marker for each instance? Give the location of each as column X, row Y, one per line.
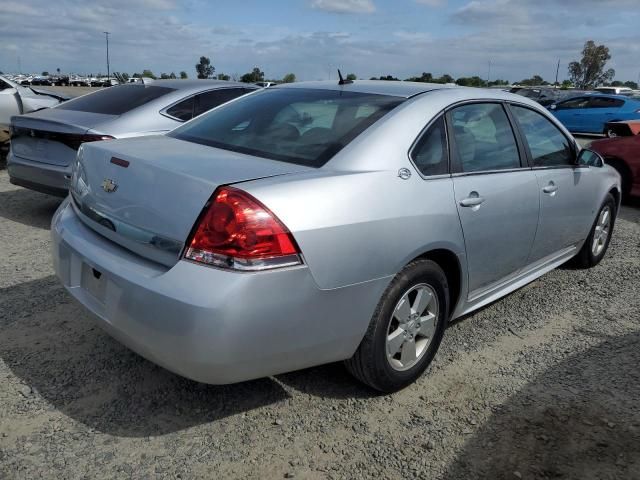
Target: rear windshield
column 302, row 126
column 116, row 100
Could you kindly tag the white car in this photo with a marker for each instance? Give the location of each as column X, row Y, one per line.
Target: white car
column 16, row 99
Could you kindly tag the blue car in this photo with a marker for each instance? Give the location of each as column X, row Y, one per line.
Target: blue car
column 590, row 112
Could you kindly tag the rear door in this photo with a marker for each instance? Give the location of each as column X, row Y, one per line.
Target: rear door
column 601, row 110
column 571, row 113
column 566, row 190
column 495, row 191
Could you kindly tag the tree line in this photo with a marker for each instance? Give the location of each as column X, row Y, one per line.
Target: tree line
column 586, row 73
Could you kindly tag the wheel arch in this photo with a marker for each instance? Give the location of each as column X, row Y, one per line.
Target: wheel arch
column 623, row 169
column 450, row 264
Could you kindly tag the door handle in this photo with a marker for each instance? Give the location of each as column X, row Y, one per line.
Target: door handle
column 473, row 200
column 551, row 188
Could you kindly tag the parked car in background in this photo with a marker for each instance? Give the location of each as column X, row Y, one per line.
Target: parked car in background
column 623, row 153
column 589, row 113
column 314, row 222
column 45, row 143
column 614, row 90
column 16, row 99
column 544, row 96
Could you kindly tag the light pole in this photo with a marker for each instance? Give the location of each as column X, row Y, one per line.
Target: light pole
column 106, row 34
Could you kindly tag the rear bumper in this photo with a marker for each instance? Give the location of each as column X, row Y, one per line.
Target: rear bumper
column 42, row 177
column 207, row 324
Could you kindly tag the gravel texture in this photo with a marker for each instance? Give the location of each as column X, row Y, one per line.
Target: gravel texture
column 541, row 384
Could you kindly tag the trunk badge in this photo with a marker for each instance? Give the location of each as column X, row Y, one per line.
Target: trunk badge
column 109, row 185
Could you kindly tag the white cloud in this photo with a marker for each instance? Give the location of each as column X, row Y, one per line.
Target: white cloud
column 344, row 6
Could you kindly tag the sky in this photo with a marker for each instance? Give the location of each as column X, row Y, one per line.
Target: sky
column 312, row 38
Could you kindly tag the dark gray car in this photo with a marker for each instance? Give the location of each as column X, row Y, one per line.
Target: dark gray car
column 45, row 143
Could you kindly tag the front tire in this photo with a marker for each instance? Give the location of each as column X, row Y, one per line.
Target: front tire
column 406, row 329
column 597, row 243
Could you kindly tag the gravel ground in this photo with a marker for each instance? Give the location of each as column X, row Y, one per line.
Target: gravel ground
column 542, row 384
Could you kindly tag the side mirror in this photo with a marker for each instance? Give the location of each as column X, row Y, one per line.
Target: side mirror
column 589, row 158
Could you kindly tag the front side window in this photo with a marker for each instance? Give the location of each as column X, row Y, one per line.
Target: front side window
column 547, row 144
column 430, row 153
column 295, row 125
column 483, row 138
column 115, row 100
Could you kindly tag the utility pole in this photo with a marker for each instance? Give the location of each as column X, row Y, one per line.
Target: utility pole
column 557, row 70
column 106, row 34
column 488, row 73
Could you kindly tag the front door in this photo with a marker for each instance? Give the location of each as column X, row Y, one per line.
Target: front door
column 496, row 194
column 566, row 190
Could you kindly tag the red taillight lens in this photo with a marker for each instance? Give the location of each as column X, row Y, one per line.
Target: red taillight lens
column 237, row 231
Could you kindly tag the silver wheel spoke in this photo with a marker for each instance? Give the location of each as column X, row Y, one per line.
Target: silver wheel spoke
column 412, row 326
column 408, row 354
column 427, row 325
column 422, row 301
column 605, row 217
column 395, row 341
column 403, row 310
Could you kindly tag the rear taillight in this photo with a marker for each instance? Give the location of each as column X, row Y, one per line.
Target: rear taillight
column 74, row 141
column 236, row 231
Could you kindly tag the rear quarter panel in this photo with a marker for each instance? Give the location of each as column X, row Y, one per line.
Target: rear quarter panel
column 354, row 227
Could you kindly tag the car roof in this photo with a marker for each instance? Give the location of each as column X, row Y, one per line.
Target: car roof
column 380, row 87
column 197, row 84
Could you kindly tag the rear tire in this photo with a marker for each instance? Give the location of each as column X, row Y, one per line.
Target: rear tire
column 406, row 329
column 597, row 243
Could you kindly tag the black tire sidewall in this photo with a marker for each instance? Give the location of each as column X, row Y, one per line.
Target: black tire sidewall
column 424, row 271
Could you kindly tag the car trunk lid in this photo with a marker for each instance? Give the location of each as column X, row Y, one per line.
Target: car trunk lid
column 52, row 136
column 146, row 193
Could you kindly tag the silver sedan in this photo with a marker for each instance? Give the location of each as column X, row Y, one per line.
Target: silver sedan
column 44, row 144
column 318, row 222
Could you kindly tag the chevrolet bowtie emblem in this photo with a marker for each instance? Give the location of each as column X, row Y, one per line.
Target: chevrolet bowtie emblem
column 109, row 185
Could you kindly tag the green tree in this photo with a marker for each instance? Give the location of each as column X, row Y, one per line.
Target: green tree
column 388, row 77
column 183, row 75
column 125, row 76
column 137, row 75
column 172, row 75
column 446, row 78
column 352, row 76
column 632, row 85
column 589, row 72
column 223, row 76
column 474, row 81
column 289, row 78
column 256, row 75
column 533, row 81
column 148, row 74
column 45, row 74
column 164, row 76
column 498, row 82
column 204, row 68
column 566, row 84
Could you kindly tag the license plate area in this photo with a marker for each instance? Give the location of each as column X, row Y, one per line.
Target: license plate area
column 93, row 282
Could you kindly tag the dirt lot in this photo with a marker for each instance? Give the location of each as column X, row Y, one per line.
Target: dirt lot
column 542, row 384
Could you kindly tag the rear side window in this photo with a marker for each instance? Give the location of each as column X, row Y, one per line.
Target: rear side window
column 605, row 102
column 430, row 153
column 548, row 146
column 116, row 100
column 182, row 110
column 581, row 102
column 483, row 138
column 208, row 100
column 295, row 125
